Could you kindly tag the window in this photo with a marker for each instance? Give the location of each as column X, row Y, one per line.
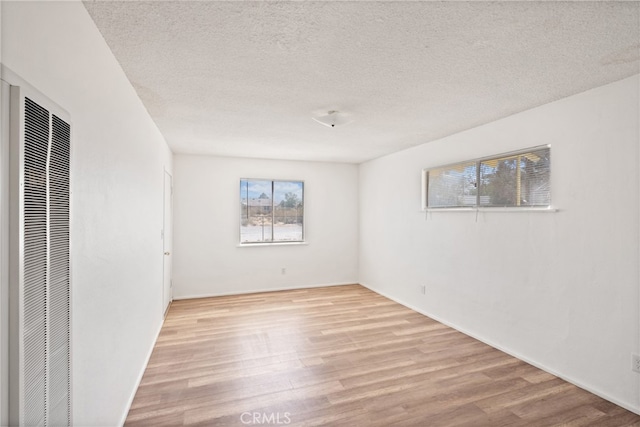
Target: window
column 271, row 211
column 520, row 179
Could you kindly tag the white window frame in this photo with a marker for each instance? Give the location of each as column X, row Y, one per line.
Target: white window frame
column 477, row 205
column 272, row 242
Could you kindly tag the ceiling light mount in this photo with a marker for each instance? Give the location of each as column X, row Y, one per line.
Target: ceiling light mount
column 333, row 118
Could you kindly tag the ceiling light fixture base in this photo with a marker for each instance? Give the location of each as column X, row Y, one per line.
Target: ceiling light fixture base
column 333, row 119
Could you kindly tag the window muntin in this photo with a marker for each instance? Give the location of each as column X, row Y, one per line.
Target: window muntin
column 521, row 179
column 271, row 211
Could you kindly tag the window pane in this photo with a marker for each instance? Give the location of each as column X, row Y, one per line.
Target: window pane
column 256, row 206
column 517, row 180
column 452, row 186
column 288, row 210
column 271, row 211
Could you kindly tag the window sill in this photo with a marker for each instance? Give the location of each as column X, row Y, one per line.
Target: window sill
column 269, row 244
column 487, row 209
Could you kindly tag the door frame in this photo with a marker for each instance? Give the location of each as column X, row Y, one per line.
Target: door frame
column 167, row 257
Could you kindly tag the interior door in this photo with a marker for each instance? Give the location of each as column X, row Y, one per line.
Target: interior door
column 4, row 253
column 167, row 240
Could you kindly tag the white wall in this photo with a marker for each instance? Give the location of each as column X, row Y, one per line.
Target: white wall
column 207, row 259
column 4, row 245
column 557, row 289
column 118, row 156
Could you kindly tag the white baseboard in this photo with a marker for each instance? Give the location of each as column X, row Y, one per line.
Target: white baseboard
column 140, row 375
column 257, row 291
column 517, row 355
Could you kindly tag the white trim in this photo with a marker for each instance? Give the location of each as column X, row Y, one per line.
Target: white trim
column 272, row 180
column 259, row 291
column 517, row 355
column 5, row 106
column 9, row 76
column 140, row 375
column 166, row 173
column 477, row 162
column 267, row 244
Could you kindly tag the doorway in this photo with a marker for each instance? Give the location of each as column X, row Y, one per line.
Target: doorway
column 167, row 241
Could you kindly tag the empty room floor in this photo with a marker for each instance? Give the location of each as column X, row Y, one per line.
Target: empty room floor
column 343, row 356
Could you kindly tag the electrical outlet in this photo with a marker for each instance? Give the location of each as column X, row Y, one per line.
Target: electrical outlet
column 283, row 271
column 423, row 289
column 635, row 363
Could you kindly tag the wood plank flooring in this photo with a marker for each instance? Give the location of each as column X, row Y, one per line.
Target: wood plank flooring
column 343, row 356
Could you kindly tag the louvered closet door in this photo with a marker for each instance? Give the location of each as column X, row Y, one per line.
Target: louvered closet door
column 34, row 317
column 44, row 359
column 59, row 321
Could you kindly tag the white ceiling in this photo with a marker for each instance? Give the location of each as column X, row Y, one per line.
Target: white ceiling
column 245, row 78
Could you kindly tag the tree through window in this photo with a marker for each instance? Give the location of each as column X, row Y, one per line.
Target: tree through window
column 520, row 179
column 271, row 211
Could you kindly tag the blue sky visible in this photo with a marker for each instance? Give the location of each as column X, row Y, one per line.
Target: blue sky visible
column 257, row 187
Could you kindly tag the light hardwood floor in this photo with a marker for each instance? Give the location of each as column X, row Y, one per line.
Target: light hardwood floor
column 343, row 356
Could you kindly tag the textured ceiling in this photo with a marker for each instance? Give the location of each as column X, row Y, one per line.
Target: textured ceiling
column 245, row 78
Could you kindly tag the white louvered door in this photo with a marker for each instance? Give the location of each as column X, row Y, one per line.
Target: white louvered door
column 58, row 337
column 40, row 280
